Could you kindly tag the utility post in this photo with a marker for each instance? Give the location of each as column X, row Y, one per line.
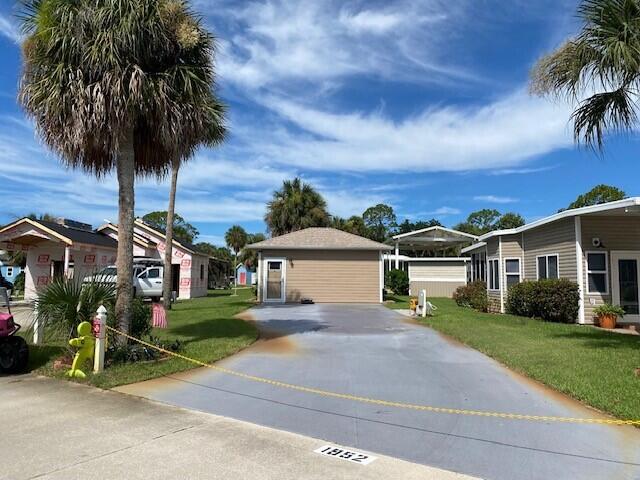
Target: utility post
column 99, row 331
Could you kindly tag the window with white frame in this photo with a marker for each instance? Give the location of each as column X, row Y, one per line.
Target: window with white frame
column 494, row 274
column 512, row 271
column 548, row 266
column 597, row 273
column 9, row 271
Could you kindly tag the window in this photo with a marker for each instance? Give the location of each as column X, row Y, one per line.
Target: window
column 202, row 272
column 597, row 273
column 275, row 265
column 9, row 272
column 153, row 273
column 478, row 266
column 512, row 271
column 548, row 266
column 494, row 274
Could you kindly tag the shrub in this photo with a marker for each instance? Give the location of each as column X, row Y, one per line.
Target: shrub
column 608, row 309
column 140, row 317
column 552, row 300
column 135, row 352
column 473, row 295
column 18, row 284
column 397, row 281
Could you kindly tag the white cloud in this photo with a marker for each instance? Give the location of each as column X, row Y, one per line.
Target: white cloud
column 275, row 41
column 9, row 30
column 494, row 199
column 498, row 135
column 445, row 211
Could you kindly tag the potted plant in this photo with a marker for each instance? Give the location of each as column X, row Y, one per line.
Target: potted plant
column 608, row 314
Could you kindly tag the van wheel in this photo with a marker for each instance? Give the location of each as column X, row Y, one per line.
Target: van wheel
column 155, row 299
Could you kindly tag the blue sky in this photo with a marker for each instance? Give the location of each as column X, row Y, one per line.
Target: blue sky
column 421, row 105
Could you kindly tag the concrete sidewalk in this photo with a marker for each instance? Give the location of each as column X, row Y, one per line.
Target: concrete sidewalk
column 57, row 429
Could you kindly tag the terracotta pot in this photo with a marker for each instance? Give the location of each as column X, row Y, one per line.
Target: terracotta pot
column 607, row 321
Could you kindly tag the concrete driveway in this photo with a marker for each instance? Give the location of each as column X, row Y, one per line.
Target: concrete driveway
column 371, row 351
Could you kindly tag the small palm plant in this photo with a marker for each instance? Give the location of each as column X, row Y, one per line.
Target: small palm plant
column 66, row 302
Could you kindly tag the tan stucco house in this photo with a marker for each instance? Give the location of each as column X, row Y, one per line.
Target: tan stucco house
column 598, row 247
column 321, row 264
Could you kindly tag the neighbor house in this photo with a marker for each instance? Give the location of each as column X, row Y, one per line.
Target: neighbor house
column 598, row 247
column 190, row 268
column 9, row 271
column 320, row 264
column 245, row 276
column 73, row 249
column 438, row 270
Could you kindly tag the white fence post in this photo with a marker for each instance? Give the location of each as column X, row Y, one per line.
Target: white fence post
column 38, row 328
column 99, row 330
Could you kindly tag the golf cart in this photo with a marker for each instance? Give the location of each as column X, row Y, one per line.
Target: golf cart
column 14, row 352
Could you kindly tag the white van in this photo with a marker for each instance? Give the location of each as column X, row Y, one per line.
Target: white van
column 147, row 279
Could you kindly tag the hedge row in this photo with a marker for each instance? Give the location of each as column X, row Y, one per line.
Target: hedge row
column 552, row 300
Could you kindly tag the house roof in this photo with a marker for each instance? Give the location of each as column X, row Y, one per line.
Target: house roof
column 137, row 238
column 186, row 246
column 630, row 205
column 473, row 247
column 318, row 238
column 67, row 234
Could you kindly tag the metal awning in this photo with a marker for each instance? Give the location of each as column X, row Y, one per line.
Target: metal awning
column 433, row 238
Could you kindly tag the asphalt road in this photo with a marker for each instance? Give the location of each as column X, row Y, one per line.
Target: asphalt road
column 372, row 351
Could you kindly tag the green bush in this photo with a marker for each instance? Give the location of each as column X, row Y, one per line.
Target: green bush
column 608, row 309
column 472, row 295
column 18, row 284
column 397, row 281
column 552, row 300
column 140, row 317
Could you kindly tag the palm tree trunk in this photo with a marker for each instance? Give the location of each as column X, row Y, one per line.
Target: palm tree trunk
column 125, row 168
column 168, row 252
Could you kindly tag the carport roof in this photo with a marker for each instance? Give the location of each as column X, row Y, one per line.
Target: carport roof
column 318, row 238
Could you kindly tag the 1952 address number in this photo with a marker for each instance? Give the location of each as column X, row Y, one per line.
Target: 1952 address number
column 344, row 454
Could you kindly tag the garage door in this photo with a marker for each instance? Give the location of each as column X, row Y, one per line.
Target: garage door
column 333, row 276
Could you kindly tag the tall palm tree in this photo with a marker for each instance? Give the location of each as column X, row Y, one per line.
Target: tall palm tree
column 236, row 238
column 120, row 85
column 601, row 63
column 168, row 251
column 295, row 206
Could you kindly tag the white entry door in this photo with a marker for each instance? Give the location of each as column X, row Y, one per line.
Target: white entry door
column 625, row 267
column 275, row 280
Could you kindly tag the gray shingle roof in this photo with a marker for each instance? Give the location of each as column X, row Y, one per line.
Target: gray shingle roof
column 318, row 238
column 81, row 236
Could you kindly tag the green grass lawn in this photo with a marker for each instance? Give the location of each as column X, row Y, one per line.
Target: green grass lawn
column 205, row 326
column 596, row 367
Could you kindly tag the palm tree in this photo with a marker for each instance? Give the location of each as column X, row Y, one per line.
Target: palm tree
column 120, row 85
column 250, row 257
column 295, row 206
column 236, row 238
column 601, row 63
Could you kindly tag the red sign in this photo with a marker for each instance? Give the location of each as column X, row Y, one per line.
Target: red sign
column 103, row 260
column 161, row 247
column 179, row 254
column 42, row 281
column 89, row 259
column 186, row 263
column 185, row 282
column 95, row 327
column 43, row 259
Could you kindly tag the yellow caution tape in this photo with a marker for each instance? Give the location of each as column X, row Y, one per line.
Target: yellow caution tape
column 385, row 403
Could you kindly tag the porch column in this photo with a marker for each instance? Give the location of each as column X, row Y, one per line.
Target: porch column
column 67, row 257
column 397, row 255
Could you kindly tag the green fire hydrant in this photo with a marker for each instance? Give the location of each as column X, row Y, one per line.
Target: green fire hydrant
column 85, row 342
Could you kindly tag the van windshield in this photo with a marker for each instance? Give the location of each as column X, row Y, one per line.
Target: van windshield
column 108, row 271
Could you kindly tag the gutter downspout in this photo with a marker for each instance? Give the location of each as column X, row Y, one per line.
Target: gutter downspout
column 502, row 275
column 579, row 266
column 397, row 255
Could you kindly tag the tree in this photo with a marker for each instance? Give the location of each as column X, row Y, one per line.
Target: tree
column 380, row 221
column 124, row 86
column 509, row 220
column 597, row 195
column 295, row 206
column 354, row 224
column 249, row 258
column 407, row 226
column 45, row 217
column 183, row 231
column 602, row 62
column 236, row 238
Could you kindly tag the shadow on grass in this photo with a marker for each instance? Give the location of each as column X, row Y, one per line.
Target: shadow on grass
column 605, row 340
column 40, row 355
column 212, row 328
